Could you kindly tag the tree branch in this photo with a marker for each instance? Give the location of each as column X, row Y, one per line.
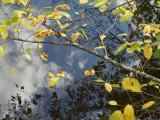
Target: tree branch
column 115, row 63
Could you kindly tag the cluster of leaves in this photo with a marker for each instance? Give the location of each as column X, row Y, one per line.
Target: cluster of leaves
column 150, row 46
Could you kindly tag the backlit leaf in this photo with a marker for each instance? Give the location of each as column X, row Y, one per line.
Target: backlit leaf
column 83, row 1
column 147, row 51
column 102, row 37
column 2, row 51
column 128, row 113
column 89, row 73
column 43, row 56
column 132, row 84
column 148, row 104
column 53, row 82
column 116, row 115
column 12, row 70
column 100, row 81
column 112, row 102
column 75, row 36
column 108, row 87
column 28, row 57
column 121, row 47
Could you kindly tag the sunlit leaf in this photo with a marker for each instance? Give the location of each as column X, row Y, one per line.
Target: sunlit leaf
column 100, row 81
column 108, row 87
column 43, row 56
column 147, row 29
column 147, row 51
column 112, row 102
column 60, row 74
column 99, row 47
column 147, row 41
column 132, row 84
column 28, row 57
column 75, row 36
column 53, row 82
column 3, row 32
column 83, row 1
column 116, row 115
column 128, row 113
column 12, row 70
column 122, row 35
column 2, row 51
column 102, row 37
column 126, row 16
column 121, row 47
column 89, row 73
column 148, row 104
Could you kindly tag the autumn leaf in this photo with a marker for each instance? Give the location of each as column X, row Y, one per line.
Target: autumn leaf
column 116, row 115
column 28, row 57
column 108, row 87
column 53, row 82
column 75, row 36
column 60, row 74
column 132, row 84
column 112, row 102
column 43, row 56
column 102, row 37
column 89, row 73
column 12, row 70
column 128, row 113
column 83, row 1
column 147, row 29
column 148, row 51
column 148, row 104
column 147, row 41
column 2, row 51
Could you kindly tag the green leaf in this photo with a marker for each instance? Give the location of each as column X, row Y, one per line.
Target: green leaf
column 156, row 54
column 84, row 33
column 121, row 47
column 135, row 47
column 3, row 32
column 127, row 16
column 122, row 35
column 102, row 8
column 100, row 81
column 98, row 3
column 2, row 51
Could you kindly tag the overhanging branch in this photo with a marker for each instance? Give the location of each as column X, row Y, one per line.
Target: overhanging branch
column 115, row 63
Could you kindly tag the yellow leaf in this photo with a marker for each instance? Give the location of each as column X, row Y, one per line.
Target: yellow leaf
column 148, row 41
column 12, row 70
column 60, row 74
column 116, row 115
column 128, row 113
column 62, row 6
column 50, row 74
column 112, row 102
column 83, row 1
column 132, row 84
column 89, row 73
column 43, row 56
column 75, row 36
column 53, row 82
column 148, row 51
column 102, row 37
column 148, row 104
column 147, row 29
column 28, row 57
column 99, row 47
column 2, row 51
column 108, row 87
